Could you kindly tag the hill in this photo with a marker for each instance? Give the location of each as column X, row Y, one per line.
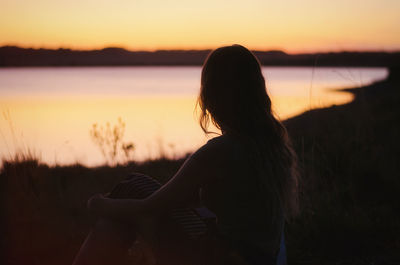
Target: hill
column 16, row 56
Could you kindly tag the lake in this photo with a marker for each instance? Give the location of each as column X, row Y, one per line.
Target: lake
column 51, row 111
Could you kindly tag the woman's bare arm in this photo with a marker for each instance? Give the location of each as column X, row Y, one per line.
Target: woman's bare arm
column 178, row 190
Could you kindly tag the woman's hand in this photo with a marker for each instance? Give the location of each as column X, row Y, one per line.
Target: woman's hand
column 96, row 204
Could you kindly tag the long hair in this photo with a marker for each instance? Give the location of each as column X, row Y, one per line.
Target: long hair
column 234, row 98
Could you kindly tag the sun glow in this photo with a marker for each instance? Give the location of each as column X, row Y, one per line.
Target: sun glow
column 294, row 26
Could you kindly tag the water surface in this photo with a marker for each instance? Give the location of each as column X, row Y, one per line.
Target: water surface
column 51, row 110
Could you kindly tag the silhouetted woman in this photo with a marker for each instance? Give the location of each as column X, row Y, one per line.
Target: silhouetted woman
column 247, row 176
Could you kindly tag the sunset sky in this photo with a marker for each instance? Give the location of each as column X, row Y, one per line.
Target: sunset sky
column 289, row 25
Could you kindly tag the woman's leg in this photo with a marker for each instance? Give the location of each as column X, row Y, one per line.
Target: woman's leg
column 109, row 240
column 107, row 243
column 171, row 236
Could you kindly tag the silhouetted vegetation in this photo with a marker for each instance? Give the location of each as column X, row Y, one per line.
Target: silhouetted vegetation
column 16, row 56
column 350, row 157
column 110, row 141
column 350, row 207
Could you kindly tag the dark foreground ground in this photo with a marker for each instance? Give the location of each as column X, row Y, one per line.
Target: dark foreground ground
column 350, row 157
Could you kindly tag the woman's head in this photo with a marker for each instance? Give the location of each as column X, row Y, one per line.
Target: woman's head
column 233, row 94
column 233, row 97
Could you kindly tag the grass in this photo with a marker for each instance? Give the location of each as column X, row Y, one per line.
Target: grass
column 351, row 179
column 350, row 208
column 44, row 207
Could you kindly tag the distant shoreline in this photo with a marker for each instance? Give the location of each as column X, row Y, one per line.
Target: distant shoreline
column 13, row 56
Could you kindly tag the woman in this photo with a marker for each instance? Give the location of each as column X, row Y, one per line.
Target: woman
column 247, row 176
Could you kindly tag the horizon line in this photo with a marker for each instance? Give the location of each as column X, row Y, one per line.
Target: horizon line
column 194, row 49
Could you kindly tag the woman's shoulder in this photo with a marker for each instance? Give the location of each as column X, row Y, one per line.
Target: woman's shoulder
column 223, row 148
column 219, row 144
column 223, row 141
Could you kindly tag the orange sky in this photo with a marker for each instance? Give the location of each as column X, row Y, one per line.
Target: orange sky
column 290, row 25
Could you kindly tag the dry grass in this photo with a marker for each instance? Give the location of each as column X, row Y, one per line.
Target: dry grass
column 350, row 164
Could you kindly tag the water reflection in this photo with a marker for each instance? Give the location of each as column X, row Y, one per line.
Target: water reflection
column 56, row 124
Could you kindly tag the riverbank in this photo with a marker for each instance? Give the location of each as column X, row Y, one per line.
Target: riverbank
column 350, row 210
column 350, row 156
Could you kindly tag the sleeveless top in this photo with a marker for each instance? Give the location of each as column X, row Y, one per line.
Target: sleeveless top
column 234, row 195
